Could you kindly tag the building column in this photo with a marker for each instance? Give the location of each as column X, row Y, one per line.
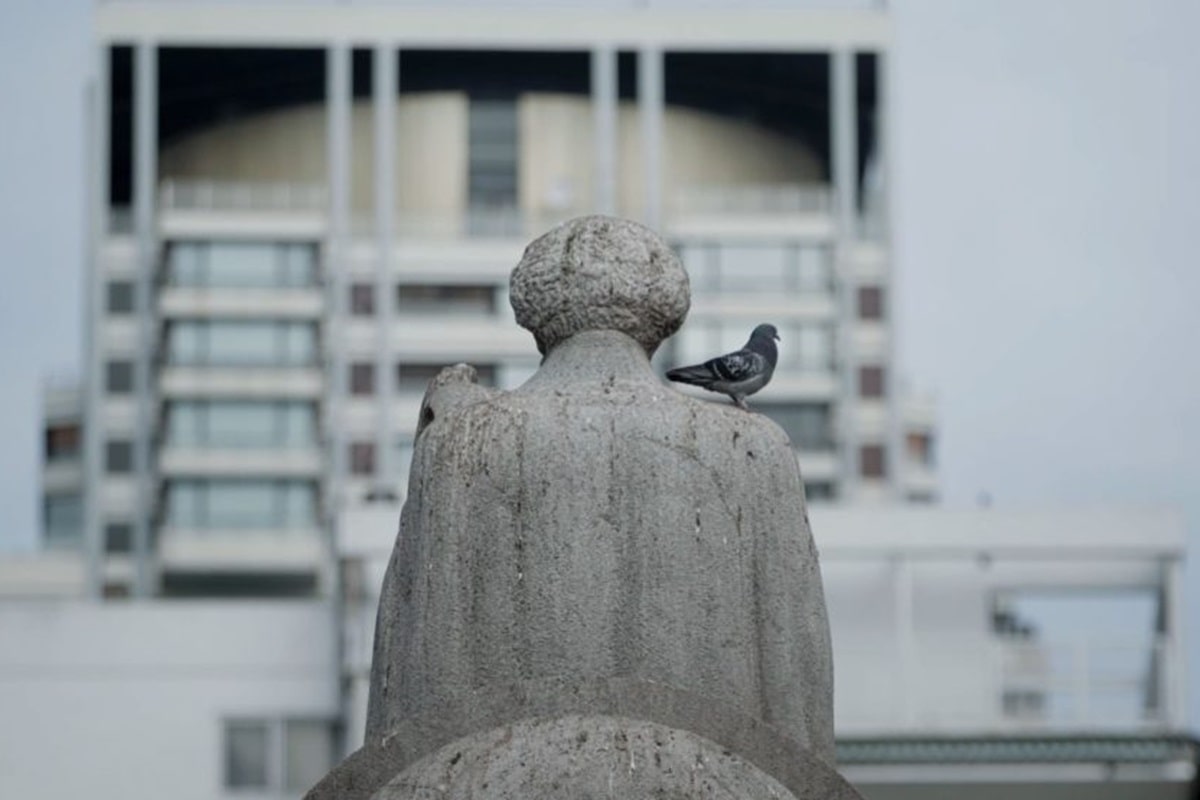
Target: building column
column 386, row 100
column 145, row 159
column 843, row 144
column 337, row 123
column 650, row 113
column 100, row 103
column 604, row 128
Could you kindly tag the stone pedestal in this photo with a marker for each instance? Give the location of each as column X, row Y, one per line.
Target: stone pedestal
column 601, row 587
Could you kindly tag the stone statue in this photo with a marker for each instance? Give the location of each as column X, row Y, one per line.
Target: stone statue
column 601, row 587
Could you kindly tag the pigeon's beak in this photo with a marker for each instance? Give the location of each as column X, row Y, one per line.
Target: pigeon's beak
column 777, row 338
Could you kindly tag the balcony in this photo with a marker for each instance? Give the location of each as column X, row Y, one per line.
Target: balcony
column 259, row 551
column 188, row 380
column 211, row 208
column 282, row 303
column 282, row 462
column 752, row 210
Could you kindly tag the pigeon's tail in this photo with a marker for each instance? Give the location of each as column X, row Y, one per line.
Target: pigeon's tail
column 699, row 375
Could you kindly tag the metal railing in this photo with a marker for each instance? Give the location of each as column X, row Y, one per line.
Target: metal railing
column 753, row 199
column 214, row 195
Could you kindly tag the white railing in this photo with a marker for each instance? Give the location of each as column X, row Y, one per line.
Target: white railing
column 754, row 199
column 213, row 195
column 1084, row 684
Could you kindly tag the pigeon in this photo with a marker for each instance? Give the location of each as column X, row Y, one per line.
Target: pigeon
column 738, row 374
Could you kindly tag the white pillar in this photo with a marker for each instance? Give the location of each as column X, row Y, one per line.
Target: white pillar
column 844, row 139
column 650, row 111
column 604, row 126
column 98, row 223
column 145, row 152
column 842, row 157
column 386, row 89
column 337, row 122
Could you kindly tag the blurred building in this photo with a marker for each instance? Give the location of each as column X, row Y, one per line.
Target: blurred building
column 299, row 214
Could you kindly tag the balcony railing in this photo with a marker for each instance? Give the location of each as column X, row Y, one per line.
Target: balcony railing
column 213, row 195
column 754, row 199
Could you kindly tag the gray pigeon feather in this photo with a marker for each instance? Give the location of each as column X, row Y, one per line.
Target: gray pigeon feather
column 738, row 374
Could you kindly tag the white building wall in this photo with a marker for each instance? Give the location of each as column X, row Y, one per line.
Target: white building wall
column 128, row 701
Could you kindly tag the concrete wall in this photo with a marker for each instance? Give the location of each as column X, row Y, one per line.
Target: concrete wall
column 128, row 701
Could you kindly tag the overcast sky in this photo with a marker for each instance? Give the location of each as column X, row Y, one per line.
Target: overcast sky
column 1045, row 166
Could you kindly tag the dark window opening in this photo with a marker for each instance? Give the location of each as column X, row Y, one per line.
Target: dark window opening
column 445, row 298
column 872, row 461
column 63, row 441
column 870, row 382
column 118, row 377
column 362, row 378
column 870, row 302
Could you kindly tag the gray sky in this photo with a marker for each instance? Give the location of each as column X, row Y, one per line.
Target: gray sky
column 1045, row 167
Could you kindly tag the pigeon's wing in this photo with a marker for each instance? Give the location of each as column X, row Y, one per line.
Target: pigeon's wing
column 737, row 366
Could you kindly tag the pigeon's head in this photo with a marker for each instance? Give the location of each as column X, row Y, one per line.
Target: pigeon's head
column 599, row 274
column 765, row 331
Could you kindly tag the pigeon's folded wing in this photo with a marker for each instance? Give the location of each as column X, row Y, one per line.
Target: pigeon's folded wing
column 739, row 366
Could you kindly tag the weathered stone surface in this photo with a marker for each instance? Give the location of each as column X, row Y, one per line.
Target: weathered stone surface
column 593, row 758
column 600, row 273
column 596, row 523
column 438, row 727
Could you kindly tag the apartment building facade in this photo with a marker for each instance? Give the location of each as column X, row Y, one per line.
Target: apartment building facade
column 300, row 214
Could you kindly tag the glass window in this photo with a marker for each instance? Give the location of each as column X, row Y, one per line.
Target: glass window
column 362, row 378
column 492, row 154
column 870, row 302
column 241, row 265
column 419, row 298
column 808, row 425
column 118, row 377
column 118, row 456
column 362, row 458
column 246, row 754
column 245, row 504
column 120, row 297
column 242, row 343
column 809, row 348
column 754, row 268
column 62, row 442
column 63, row 520
column 819, row 491
column 118, row 537
column 872, row 461
column 308, row 753
column 870, row 382
column 919, row 447
column 362, row 299
column 814, row 268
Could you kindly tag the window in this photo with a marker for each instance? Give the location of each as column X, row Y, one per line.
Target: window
column 118, row 456
column 362, row 299
column 222, row 504
column 238, row 343
column 120, row 297
column 246, row 751
column 362, row 378
column 491, row 161
column 421, row 298
column 277, row 756
column 62, row 521
column 118, row 537
column 118, row 377
column 818, row 491
column 870, row 302
column 919, row 447
column 242, row 265
column 241, row 424
column 766, row 267
column 872, row 458
column 808, row 425
column 62, row 442
column 870, row 382
column 362, row 458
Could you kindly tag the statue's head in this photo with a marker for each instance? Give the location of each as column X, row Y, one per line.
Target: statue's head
column 599, row 273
